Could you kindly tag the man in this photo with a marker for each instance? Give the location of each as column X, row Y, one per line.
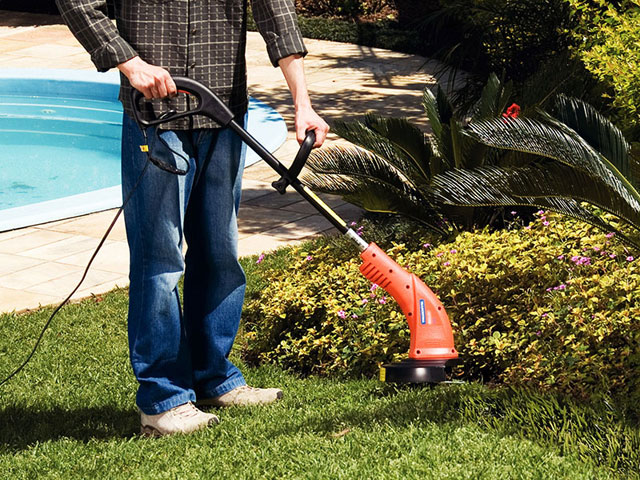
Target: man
column 179, row 353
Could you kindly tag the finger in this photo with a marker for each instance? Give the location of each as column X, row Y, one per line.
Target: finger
column 321, row 134
column 301, row 132
column 170, row 85
column 161, row 87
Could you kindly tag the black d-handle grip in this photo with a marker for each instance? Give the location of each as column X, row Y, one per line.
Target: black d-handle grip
column 208, row 104
column 301, row 158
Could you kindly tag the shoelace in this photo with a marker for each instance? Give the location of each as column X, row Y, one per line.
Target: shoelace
column 187, row 410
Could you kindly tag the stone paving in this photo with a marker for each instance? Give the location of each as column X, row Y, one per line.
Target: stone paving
column 40, row 265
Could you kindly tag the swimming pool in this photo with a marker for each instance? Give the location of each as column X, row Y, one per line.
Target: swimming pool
column 60, row 134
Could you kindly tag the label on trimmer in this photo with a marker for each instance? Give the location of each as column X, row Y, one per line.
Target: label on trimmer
column 423, row 313
column 383, row 374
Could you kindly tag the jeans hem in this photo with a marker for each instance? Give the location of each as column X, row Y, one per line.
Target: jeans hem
column 227, row 386
column 168, row 404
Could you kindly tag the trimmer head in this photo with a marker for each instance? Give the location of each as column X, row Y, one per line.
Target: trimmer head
column 416, row 371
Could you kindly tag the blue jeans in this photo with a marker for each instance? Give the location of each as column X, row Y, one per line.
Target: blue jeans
column 177, row 353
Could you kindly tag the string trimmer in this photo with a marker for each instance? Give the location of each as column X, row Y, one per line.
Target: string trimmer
column 431, row 346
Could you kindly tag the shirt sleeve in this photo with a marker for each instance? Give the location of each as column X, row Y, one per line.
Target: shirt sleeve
column 90, row 24
column 277, row 22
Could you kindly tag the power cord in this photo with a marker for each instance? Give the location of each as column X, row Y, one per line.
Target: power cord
column 151, row 160
column 84, row 275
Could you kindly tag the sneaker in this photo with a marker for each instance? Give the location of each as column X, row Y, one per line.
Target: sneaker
column 185, row 418
column 243, row 396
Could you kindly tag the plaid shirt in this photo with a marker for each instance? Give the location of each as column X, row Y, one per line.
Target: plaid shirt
column 201, row 39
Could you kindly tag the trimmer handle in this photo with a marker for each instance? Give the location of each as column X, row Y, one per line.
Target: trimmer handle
column 298, row 162
column 208, row 104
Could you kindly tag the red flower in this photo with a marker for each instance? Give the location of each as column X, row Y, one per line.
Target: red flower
column 512, row 112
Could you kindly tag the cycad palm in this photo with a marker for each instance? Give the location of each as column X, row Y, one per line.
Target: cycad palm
column 578, row 156
column 393, row 165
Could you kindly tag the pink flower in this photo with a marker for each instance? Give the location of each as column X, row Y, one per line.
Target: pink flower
column 629, row 258
column 453, row 251
column 260, row 258
column 560, row 257
column 613, row 255
column 354, row 316
column 427, row 245
column 446, row 264
column 373, row 287
column 610, row 234
column 309, row 258
column 364, row 301
column 383, row 300
column 342, row 314
column 440, row 254
column 545, row 223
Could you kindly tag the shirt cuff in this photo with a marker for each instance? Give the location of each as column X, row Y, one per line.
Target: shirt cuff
column 282, row 46
column 112, row 54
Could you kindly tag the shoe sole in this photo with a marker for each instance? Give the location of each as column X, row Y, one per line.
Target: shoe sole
column 149, row 432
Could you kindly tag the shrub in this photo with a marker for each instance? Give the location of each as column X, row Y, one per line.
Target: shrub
column 343, row 8
column 552, row 305
column 609, row 49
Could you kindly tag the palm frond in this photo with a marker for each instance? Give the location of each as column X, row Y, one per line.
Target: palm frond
column 596, row 129
column 557, row 143
column 353, row 162
column 551, row 185
column 361, row 134
column 439, row 113
column 406, row 137
column 493, row 100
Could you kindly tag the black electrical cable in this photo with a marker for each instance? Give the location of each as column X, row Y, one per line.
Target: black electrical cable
column 84, row 275
column 158, row 163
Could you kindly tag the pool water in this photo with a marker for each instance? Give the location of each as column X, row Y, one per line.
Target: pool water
column 60, row 134
column 56, row 147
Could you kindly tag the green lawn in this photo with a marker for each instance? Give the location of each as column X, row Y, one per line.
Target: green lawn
column 71, row 414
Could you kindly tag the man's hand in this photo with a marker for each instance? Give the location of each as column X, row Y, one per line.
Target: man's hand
column 151, row 81
column 306, row 117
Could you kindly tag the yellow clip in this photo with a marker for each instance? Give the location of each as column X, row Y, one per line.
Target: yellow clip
column 144, row 148
column 383, row 374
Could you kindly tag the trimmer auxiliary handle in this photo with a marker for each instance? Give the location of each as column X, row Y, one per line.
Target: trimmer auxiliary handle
column 431, row 338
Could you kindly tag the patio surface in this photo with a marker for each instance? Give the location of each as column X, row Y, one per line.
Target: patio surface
column 40, row 265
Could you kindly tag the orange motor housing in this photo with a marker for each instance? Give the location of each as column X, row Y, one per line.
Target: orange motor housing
column 429, row 326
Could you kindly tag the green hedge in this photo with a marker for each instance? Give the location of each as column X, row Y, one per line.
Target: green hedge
column 551, row 306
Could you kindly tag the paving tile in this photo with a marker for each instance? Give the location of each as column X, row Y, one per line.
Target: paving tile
column 50, row 51
column 276, row 200
column 44, row 272
column 13, row 300
column 256, row 244
column 254, row 219
column 13, row 263
column 118, row 282
column 8, row 46
column 19, row 244
column 94, row 225
column 71, row 245
column 113, row 257
column 16, row 233
column 62, row 286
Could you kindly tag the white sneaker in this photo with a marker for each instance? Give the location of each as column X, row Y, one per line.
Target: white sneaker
column 185, row 418
column 243, row 396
